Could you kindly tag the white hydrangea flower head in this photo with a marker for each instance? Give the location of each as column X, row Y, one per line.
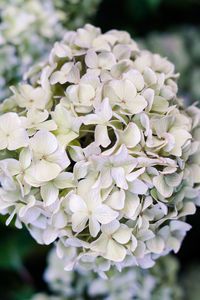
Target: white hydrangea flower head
column 103, row 158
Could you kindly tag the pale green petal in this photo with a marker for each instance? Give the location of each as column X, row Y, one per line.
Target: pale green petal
column 181, row 136
column 122, row 52
column 111, row 227
column 160, row 104
column 104, row 110
column 163, row 188
column 174, row 179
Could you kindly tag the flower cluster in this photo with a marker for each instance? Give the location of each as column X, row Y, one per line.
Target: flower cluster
column 28, row 29
column 157, row 283
column 98, row 154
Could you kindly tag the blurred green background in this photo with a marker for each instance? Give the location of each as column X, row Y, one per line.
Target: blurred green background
column 168, row 27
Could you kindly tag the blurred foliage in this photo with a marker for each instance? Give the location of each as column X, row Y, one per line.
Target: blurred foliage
column 75, row 13
column 182, row 46
column 190, row 280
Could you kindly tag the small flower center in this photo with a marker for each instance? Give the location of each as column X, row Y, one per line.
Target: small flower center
column 21, row 171
column 31, row 100
column 44, row 156
column 123, row 101
column 110, row 236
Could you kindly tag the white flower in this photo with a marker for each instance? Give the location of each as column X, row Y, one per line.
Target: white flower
column 39, row 96
column 124, row 94
column 89, row 207
column 110, row 243
column 48, row 159
column 12, row 134
column 67, row 125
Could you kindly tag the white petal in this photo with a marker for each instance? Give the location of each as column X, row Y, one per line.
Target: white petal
column 60, row 219
column 64, row 180
column 105, row 214
column 19, row 138
column 25, row 158
column 134, row 175
column 44, row 142
column 94, row 226
column 49, row 235
column 104, row 110
column 116, row 199
column 111, row 227
column 156, row 245
column 118, row 175
column 91, row 59
column 138, row 187
column 43, row 171
column 79, row 220
column 122, row 235
column 3, row 141
column 136, row 78
column 131, row 204
column 76, row 203
column 101, row 136
column 49, row 193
